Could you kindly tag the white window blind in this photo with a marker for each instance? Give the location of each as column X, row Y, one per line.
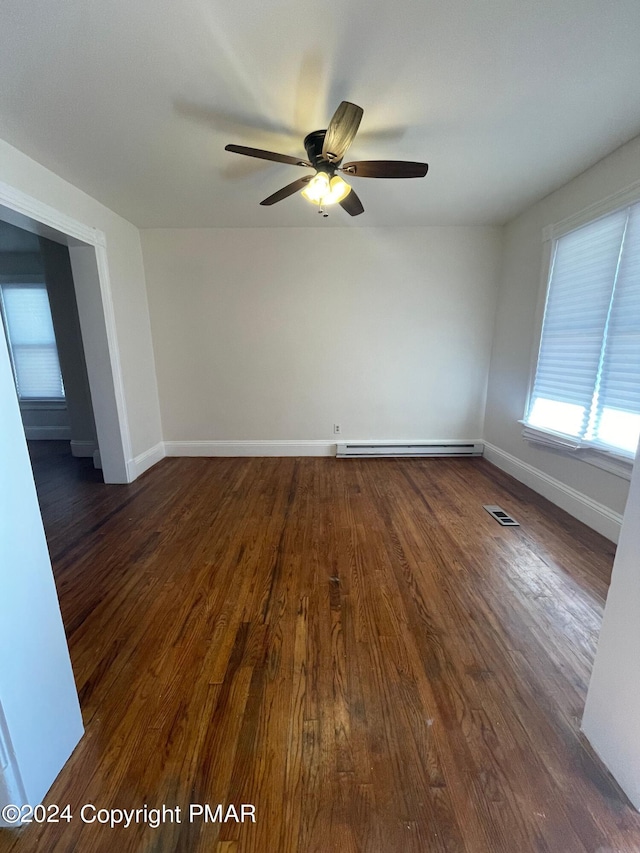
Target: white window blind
column 587, row 382
column 32, row 344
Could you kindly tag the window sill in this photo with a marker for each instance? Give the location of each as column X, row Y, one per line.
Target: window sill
column 614, row 463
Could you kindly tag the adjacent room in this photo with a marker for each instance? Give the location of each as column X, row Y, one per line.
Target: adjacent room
column 320, row 399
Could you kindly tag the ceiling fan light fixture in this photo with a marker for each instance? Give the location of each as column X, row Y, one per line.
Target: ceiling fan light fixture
column 323, row 190
column 325, row 150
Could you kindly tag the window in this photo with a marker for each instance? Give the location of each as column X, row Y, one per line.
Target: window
column 32, row 345
column 587, row 381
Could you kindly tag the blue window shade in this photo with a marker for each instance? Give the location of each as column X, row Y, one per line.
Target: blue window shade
column 32, row 344
column 587, row 383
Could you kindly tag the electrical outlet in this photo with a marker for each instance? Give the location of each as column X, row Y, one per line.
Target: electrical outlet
column 336, row 429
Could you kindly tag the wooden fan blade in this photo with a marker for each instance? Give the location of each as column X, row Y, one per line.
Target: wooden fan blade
column 290, row 189
column 341, row 131
column 267, row 155
column 352, row 204
column 386, row 169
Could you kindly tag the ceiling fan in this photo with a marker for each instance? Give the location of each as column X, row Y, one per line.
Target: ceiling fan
column 325, row 150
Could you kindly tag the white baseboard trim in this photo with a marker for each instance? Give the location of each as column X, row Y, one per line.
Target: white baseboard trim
column 81, row 449
column 144, row 461
column 47, row 433
column 595, row 515
column 250, row 448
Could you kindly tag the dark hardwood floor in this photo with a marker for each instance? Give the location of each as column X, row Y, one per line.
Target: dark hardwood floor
column 354, row 647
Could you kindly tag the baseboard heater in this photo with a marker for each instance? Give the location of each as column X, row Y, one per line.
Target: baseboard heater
column 423, row 448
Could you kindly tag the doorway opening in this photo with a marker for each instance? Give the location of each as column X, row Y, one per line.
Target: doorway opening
column 73, row 256
column 39, row 315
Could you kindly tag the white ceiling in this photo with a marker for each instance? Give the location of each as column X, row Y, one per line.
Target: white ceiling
column 134, row 101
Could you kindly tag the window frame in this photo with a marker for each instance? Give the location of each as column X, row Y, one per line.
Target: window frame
column 616, row 463
column 41, row 403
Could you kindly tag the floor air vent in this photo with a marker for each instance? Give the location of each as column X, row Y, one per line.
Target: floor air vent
column 501, row 516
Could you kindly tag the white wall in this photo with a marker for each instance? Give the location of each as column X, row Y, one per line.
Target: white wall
column 40, row 720
column 127, row 283
column 516, row 328
column 280, row 333
column 612, row 714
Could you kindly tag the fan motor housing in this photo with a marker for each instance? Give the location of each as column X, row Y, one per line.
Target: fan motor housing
column 313, row 143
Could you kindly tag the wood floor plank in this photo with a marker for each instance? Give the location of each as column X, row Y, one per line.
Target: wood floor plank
column 353, row 648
